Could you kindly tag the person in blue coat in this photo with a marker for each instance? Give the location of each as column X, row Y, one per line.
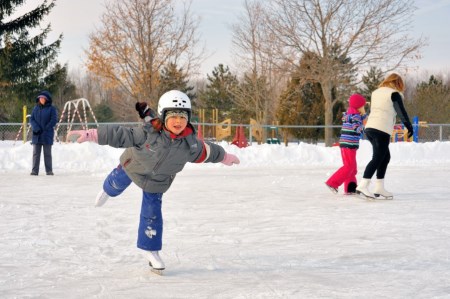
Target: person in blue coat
column 43, row 120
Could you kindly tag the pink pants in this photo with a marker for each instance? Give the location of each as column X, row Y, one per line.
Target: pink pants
column 347, row 173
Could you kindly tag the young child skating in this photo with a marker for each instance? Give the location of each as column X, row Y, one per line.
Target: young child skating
column 154, row 154
column 352, row 127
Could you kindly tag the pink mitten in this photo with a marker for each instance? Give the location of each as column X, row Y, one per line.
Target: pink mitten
column 230, row 159
column 85, row 135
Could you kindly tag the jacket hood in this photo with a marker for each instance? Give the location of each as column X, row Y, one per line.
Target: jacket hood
column 47, row 95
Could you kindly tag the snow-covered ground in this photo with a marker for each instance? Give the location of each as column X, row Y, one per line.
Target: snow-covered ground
column 267, row 228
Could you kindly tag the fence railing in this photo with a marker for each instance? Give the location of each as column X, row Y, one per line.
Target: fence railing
column 426, row 133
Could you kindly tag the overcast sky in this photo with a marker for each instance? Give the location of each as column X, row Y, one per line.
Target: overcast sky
column 76, row 19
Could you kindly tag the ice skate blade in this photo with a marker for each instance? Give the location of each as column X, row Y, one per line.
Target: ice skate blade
column 382, row 197
column 362, row 195
column 332, row 189
column 350, row 194
column 155, row 270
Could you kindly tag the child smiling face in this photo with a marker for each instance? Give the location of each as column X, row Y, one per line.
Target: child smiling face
column 176, row 123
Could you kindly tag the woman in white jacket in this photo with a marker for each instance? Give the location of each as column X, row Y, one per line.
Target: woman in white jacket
column 386, row 104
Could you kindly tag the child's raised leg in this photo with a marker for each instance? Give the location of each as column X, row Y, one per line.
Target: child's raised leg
column 115, row 183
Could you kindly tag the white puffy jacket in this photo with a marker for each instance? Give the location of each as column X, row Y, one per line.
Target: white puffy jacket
column 382, row 112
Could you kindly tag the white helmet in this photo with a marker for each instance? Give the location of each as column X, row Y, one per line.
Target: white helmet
column 174, row 100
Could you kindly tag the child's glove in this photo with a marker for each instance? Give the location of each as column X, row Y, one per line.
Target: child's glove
column 145, row 112
column 85, row 135
column 230, row 159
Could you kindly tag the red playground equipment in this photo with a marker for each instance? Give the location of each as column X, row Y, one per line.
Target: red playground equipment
column 239, row 138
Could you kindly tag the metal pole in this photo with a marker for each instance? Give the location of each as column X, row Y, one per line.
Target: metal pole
column 24, row 125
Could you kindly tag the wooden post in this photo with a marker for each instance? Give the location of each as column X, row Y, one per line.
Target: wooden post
column 24, row 124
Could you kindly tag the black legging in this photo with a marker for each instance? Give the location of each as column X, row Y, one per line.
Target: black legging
column 381, row 156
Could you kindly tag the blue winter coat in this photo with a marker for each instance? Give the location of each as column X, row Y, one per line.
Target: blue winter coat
column 43, row 120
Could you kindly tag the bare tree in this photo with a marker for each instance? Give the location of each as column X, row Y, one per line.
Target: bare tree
column 370, row 32
column 253, row 47
column 138, row 38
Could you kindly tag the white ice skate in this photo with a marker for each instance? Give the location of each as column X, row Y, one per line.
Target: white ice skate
column 363, row 189
column 155, row 262
column 332, row 189
column 101, row 198
column 380, row 192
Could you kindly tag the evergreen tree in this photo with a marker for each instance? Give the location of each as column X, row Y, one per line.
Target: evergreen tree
column 25, row 60
column 302, row 105
column 103, row 112
column 217, row 93
column 171, row 78
column 346, row 77
column 431, row 101
column 291, row 107
column 251, row 97
column 307, row 96
column 371, row 80
column 63, row 89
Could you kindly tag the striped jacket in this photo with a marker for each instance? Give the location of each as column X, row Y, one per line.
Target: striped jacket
column 351, row 131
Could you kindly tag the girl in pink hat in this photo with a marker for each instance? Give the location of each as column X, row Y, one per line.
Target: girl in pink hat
column 352, row 127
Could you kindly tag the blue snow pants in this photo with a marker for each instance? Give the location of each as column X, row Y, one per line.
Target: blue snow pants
column 151, row 222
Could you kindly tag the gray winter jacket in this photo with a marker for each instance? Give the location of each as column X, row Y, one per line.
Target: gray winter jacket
column 152, row 158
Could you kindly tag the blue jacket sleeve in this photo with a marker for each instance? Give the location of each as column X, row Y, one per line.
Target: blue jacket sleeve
column 33, row 122
column 53, row 120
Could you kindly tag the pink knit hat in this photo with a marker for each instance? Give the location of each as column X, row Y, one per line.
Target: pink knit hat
column 356, row 101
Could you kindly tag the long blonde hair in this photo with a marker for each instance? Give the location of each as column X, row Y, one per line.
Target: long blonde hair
column 393, row 81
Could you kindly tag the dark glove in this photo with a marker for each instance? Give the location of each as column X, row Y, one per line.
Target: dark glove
column 410, row 129
column 144, row 110
column 38, row 132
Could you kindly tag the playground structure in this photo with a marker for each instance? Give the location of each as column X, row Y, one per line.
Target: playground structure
column 273, row 136
column 223, row 130
column 239, row 138
column 256, row 130
column 70, row 113
column 400, row 133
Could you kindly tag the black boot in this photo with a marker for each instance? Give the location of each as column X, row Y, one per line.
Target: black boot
column 351, row 188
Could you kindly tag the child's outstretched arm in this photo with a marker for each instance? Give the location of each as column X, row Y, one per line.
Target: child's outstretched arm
column 121, row 137
column 214, row 153
column 117, row 136
column 113, row 135
column 230, row 159
column 84, row 135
